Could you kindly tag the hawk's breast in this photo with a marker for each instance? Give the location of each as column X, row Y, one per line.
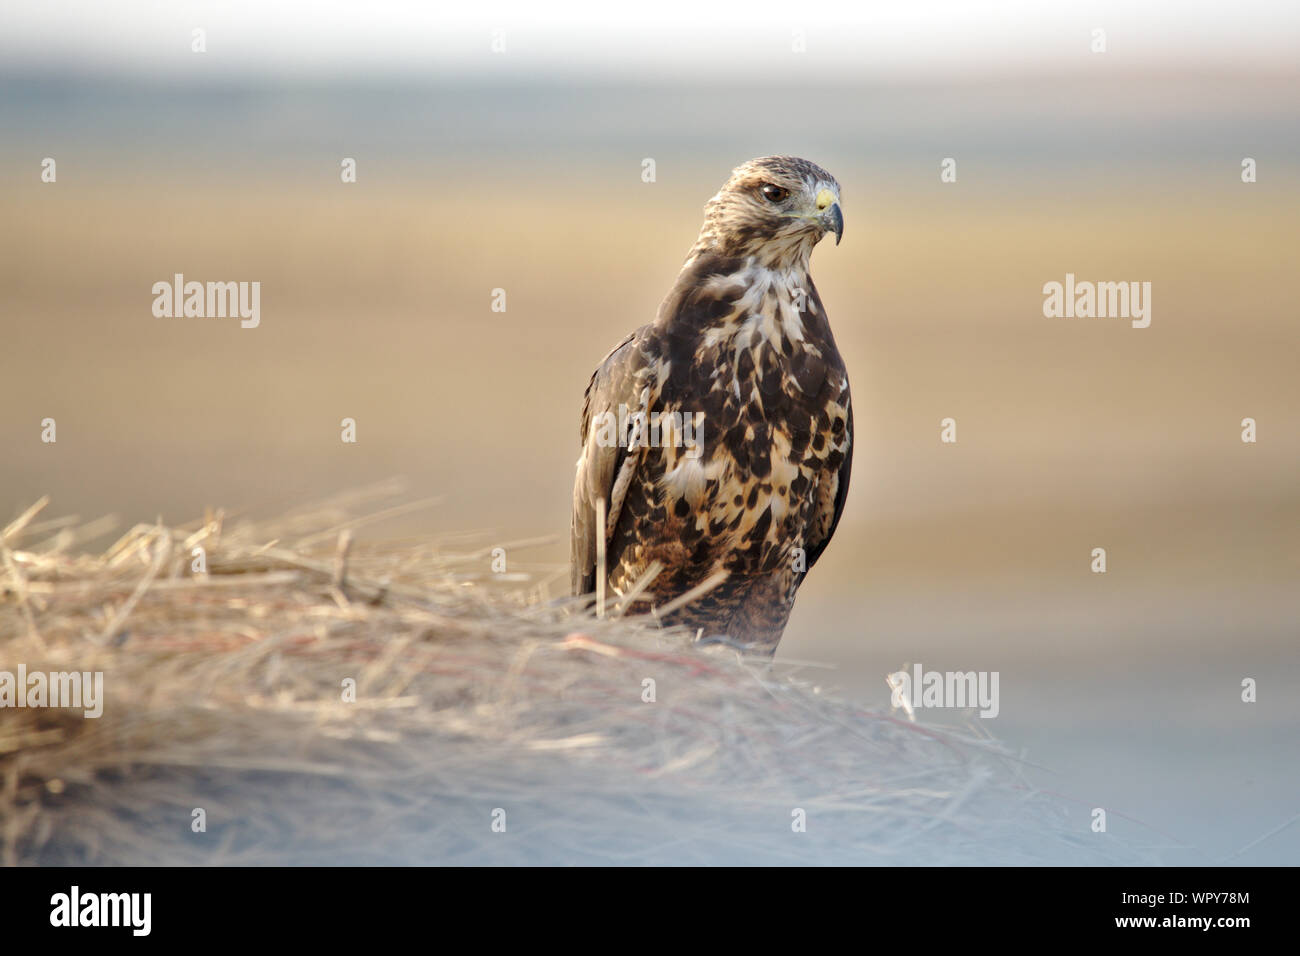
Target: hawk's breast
column 746, row 488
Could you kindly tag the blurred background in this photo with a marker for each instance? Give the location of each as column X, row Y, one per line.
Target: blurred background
column 500, row 148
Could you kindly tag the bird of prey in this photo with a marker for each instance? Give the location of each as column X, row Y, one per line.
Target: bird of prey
column 717, row 440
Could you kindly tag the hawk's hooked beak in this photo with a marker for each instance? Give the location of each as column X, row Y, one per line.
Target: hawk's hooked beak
column 832, row 219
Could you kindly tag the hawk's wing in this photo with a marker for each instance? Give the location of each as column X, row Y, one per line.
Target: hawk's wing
column 831, row 505
column 619, row 380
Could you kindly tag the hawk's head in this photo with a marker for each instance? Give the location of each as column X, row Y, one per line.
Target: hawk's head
column 775, row 208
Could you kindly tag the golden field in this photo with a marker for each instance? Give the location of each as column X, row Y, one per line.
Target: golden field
column 1072, row 433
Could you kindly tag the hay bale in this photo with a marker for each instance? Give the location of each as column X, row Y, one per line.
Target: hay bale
column 475, row 701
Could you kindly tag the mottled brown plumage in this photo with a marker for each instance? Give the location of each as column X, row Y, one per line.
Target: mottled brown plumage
column 741, row 349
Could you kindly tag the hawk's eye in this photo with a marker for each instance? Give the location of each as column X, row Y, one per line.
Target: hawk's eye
column 774, row 193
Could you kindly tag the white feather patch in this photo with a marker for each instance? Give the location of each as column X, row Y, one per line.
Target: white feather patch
column 686, row 480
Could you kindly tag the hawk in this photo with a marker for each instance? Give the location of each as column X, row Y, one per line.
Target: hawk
column 717, row 440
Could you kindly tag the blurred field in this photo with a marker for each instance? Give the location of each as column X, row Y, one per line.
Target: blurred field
column 374, row 308
column 1073, row 434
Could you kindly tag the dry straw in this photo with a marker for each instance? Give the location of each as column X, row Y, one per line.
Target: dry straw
column 477, row 702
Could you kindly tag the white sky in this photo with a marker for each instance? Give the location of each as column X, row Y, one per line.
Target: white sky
column 648, row 38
